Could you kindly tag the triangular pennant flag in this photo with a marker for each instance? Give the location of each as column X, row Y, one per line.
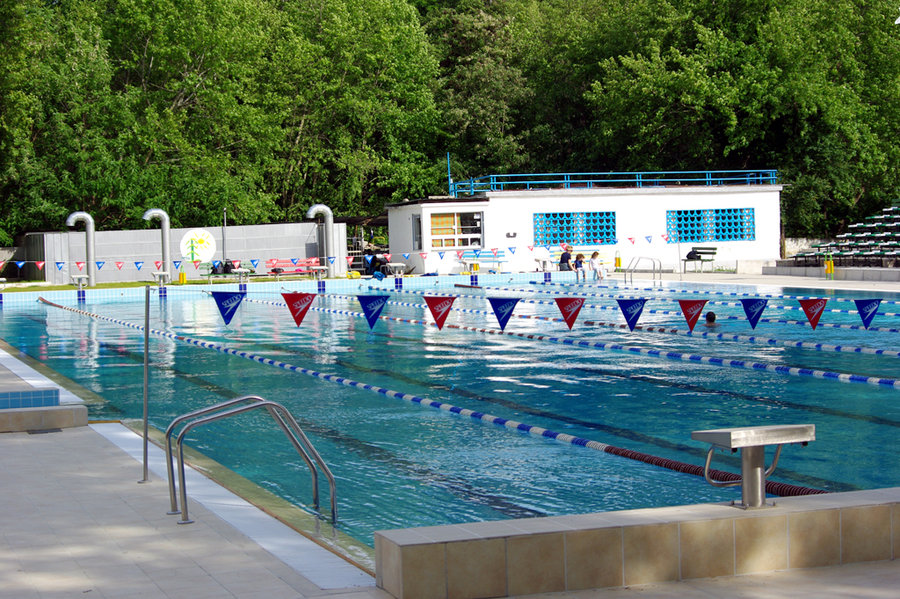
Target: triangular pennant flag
column 665, row 238
column 547, row 247
column 294, row 261
column 459, row 254
column 236, row 263
column 423, row 255
column 330, row 259
column 631, row 239
column 631, row 310
column 570, row 307
column 137, row 265
column 503, row 308
column 271, row 262
column 369, row 259
column 372, row 306
column 100, row 264
column 158, row 264
column 562, row 246
column 530, row 248
column 255, row 262
column 40, row 265
column 441, row 255
column 349, row 260
column 119, row 265
column 387, row 257
column 298, row 304
column 691, row 310
column 216, row 263
column 228, row 302
column 80, row 265
column 197, row 264
column 512, row 250
column 177, row 264
column 813, row 309
column 649, row 238
column 405, row 256
column 3, row 262
column 477, row 253
column 867, row 309
column 753, row 308
column 20, row 263
column 440, row 308
column 59, row 265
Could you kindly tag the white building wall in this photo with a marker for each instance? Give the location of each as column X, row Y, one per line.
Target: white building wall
column 640, row 223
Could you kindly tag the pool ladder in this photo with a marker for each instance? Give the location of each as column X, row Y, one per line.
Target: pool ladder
column 282, row 417
column 656, row 267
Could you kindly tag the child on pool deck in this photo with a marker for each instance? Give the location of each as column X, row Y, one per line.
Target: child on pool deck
column 596, row 265
column 579, row 268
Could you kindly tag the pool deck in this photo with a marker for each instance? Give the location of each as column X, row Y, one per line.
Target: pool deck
column 74, row 522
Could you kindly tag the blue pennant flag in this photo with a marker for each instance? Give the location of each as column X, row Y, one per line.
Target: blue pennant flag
column 20, row 263
column 503, row 309
column 216, row 263
column 649, row 238
column 255, row 263
column 294, row 261
column 138, row 265
column 631, row 310
column 330, row 259
column 753, row 308
column 441, row 255
column 368, row 259
column 59, row 265
column 867, row 310
column 228, row 302
column 406, row 256
column 100, row 265
column 372, row 306
column 477, row 253
column 177, row 264
column 512, row 250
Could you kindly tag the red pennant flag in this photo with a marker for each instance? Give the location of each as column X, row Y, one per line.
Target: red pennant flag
column 237, row 263
column 40, row 265
column 271, row 262
column 530, row 248
column 494, row 251
column 158, row 264
column 440, row 308
column 691, row 310
column 349, row 260
column 119, row 265
column 196, row 265
column 570, row 307
column 813, row 309
column 388, row 257
column 298, row 304
column 423, row 255
column 631, row 239
column 459, row 254
column 3, row 262
column 80, row 265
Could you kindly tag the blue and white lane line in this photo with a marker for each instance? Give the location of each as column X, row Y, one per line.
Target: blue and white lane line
column 705, row 292
column 653, row 353
column 824, row 347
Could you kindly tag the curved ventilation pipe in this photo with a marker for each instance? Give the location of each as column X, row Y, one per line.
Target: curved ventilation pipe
column 89, row 240
column 164, row 223
column 329, row 233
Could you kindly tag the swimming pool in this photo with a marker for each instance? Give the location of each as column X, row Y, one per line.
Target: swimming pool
column 400, row 464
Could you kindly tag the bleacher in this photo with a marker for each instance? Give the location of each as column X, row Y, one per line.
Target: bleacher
column 875, row 242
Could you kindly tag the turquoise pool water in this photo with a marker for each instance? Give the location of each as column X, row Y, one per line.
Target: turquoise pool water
column 399, row 464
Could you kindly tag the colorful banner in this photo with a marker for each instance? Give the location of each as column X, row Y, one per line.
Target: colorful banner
column 372, row 306
column 569, row 307
column 867, row 309
column 228, row 302
column 753, row 308
column 813, row 309
column 503, row 309
column 631, row 310
column 691, row 310
column 298, row 303
column 440, row 308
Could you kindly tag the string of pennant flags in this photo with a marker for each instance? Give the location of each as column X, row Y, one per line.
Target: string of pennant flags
column 503, row 307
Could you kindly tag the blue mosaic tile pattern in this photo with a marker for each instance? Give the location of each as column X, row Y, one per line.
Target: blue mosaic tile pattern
column 724, row 224
column 577, row 228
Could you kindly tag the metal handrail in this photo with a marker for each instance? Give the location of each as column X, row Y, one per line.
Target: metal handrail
column 282, row 417
column 632, row 266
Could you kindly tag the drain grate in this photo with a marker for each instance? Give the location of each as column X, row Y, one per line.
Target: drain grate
column 43, row 431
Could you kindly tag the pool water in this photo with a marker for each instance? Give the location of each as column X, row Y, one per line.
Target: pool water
column 399, row 464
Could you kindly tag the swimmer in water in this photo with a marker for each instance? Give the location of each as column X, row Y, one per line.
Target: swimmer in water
column 711, row 319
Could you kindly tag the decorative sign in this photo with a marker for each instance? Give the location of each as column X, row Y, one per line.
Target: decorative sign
column 570, row 307
column 691, row 310
column 813, row 309
column 753, row 308
column 503, row 309
column 197, row 244
column 440, row 308
column 298, row 304
column 228, row 302
column 372, row 306
column 867, row 310
column 631, row 310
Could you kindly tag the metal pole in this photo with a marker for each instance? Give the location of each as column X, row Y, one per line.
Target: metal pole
column 146, row 478
column 224, row 226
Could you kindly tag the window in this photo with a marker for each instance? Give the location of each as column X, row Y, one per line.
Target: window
column 456, row 230
column 417, row 232
column 577, row 228
column 724, row 224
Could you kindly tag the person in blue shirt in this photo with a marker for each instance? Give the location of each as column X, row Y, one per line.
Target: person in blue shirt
column 564, row 259
column 579, row 268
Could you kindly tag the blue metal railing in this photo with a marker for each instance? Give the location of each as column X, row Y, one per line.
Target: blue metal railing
column 612, row 179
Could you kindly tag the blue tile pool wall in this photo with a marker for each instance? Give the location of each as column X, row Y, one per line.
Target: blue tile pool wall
column 38, row 398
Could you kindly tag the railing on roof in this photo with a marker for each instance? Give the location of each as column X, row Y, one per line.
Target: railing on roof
column 613, row 179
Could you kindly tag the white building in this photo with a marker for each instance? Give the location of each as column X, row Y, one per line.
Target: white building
column 661, row 222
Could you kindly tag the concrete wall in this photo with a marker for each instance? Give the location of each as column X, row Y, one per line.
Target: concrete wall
column 640, row 216
column 245, row 243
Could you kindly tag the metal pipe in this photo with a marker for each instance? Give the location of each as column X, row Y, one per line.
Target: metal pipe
column 325, row 211
column 164, row 226
column 89, row 240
